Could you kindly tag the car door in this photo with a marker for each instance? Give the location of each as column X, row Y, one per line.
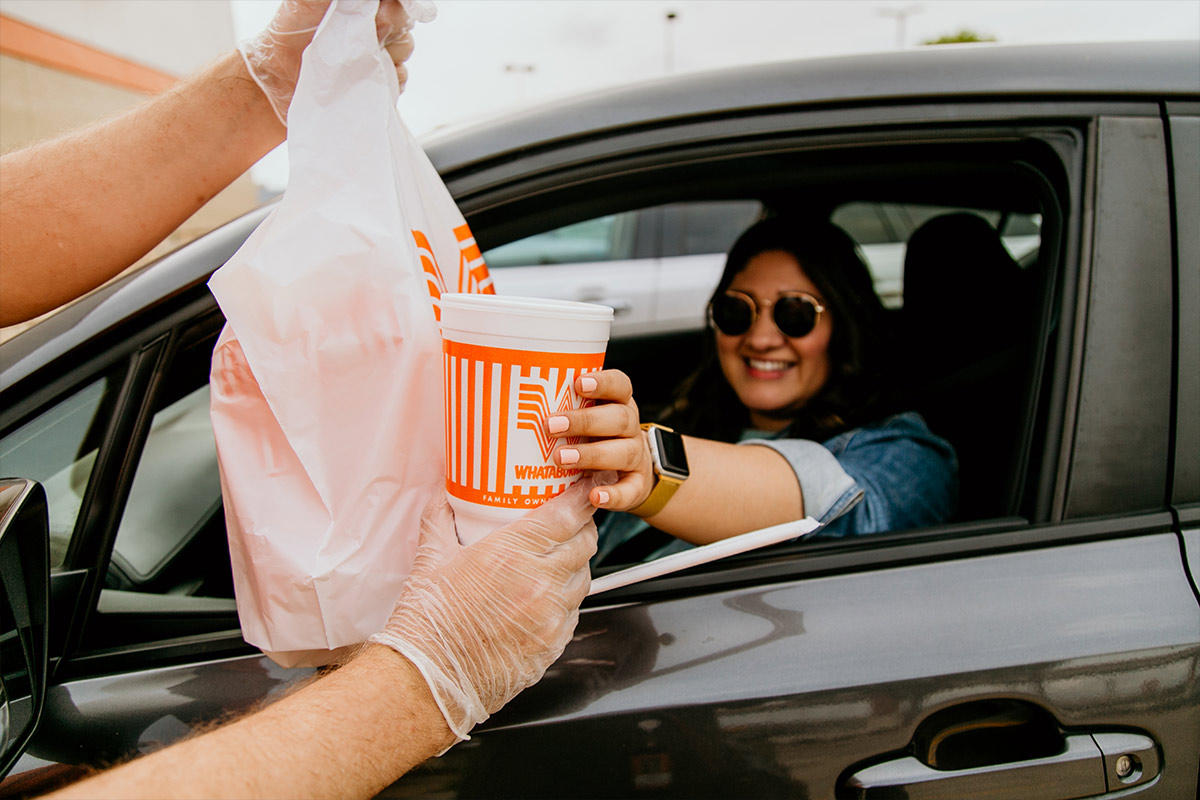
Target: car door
column 1048, row 652
column 1185, row 150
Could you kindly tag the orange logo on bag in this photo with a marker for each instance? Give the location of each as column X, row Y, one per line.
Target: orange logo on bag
column 472, row 269
column 497, row 400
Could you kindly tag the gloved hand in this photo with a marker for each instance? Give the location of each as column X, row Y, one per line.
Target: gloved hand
column 273, row 57
column 483, row 622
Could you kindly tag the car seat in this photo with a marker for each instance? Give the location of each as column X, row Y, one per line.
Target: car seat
column 967, row 318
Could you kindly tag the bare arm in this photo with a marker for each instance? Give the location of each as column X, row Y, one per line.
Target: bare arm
column 731, row 489
column 349, row 734
column 472, row 627
column 81, row 208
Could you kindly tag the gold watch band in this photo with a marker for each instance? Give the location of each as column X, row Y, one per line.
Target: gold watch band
column 664, row 489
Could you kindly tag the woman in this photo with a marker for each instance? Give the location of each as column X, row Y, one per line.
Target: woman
column 789, row 415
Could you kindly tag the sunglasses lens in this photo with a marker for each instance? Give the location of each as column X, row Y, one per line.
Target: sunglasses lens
column 795, row 316
column 732, row 315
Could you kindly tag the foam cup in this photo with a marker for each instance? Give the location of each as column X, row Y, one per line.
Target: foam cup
column 509, row 363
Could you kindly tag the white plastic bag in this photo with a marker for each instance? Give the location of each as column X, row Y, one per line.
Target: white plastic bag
column 327, row 380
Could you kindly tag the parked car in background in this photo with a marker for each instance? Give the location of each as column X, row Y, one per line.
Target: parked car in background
column 1044, row 643
column 656, row 267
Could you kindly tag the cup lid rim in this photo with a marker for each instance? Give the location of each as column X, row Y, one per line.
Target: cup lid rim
column 526, row 306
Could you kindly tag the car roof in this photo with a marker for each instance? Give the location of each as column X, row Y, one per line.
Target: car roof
column 948, row 72
column 972, row 71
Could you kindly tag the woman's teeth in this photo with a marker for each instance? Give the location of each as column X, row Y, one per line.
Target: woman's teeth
column 767, row 366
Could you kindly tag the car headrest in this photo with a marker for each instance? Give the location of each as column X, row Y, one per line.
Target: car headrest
column 961, row 286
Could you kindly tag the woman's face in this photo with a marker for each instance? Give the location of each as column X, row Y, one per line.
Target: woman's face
column 772, row 373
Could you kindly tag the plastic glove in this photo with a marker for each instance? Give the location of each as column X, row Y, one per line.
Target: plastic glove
column 273, row 57
column 483, row 622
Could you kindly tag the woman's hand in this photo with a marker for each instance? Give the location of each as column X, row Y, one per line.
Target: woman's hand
column 616, row 439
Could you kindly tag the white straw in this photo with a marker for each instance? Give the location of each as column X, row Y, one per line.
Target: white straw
column 709, row 552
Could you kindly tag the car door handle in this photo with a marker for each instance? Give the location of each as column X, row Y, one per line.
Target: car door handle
column 1089, row 765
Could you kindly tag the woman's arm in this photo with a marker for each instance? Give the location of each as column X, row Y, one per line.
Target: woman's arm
column 731, row 490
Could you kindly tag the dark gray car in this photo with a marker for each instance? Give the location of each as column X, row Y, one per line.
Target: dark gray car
column 1045, row 643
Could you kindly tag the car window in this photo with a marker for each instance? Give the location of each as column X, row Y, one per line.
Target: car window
column 171, row 537
column 58, row 449
column 607, row 238
column 176, row 490
column 883, row 229
column 702, row 228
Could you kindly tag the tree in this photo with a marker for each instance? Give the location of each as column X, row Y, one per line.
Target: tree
column 964, row 35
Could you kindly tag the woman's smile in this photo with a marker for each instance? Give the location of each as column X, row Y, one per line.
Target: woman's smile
column 773, row 374
column 764, row 369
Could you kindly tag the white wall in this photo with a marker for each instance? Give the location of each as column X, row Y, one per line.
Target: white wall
column 175, row 36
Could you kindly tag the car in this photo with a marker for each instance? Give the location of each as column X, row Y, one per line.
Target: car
column 1045, row 642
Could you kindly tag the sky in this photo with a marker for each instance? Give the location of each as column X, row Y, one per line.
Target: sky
column 480, row 58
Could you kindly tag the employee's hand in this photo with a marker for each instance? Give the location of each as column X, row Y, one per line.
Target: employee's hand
column 483, row 622
column 606, row 436
column 273, row 57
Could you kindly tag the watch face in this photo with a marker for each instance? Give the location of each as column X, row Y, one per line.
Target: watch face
column 671, row 456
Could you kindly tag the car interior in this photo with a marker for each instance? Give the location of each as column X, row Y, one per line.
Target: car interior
column 974, row 315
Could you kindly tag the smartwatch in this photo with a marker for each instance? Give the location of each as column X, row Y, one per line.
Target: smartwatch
column 670, row 468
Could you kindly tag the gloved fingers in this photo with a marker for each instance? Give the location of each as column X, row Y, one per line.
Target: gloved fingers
column 577, row 551
column 577, row 586
column 438, row 542
column 561, row 517
column 392, row 21
column 420, row 10
column 298, row 16
column 400, row 49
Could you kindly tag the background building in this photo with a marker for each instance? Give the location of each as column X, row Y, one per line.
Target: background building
column 67, row 63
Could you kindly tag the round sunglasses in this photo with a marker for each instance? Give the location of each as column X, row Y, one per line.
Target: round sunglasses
column 795, row 313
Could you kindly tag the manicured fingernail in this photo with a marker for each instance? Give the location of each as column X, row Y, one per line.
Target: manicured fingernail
column 568, row 455
column 602, row 496
column 557, row 424
column 587, row 384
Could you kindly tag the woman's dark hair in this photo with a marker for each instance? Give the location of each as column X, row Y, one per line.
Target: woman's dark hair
column 854, row 393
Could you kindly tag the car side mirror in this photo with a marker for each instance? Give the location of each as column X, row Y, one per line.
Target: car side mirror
column 24, row 599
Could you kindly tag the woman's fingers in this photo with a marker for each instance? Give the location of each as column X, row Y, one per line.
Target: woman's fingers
column 622, row 455
column 607, row 384
column 608, row 419
column 629, row 492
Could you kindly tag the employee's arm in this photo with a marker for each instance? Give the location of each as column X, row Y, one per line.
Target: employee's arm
column 349, row 734
column 79, row 209
column 76, row 211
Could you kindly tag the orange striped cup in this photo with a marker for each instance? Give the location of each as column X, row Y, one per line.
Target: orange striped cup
column 509, row 363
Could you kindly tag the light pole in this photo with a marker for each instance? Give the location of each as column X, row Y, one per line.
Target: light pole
column 669, row 42
column 522, row 71
column 901, row 16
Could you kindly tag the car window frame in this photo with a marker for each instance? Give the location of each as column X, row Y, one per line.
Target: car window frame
column 1067, row 129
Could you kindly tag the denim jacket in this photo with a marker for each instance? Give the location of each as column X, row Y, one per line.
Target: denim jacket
column 892, row 475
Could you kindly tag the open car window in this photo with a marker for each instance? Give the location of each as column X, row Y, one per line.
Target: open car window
column 963, row 363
